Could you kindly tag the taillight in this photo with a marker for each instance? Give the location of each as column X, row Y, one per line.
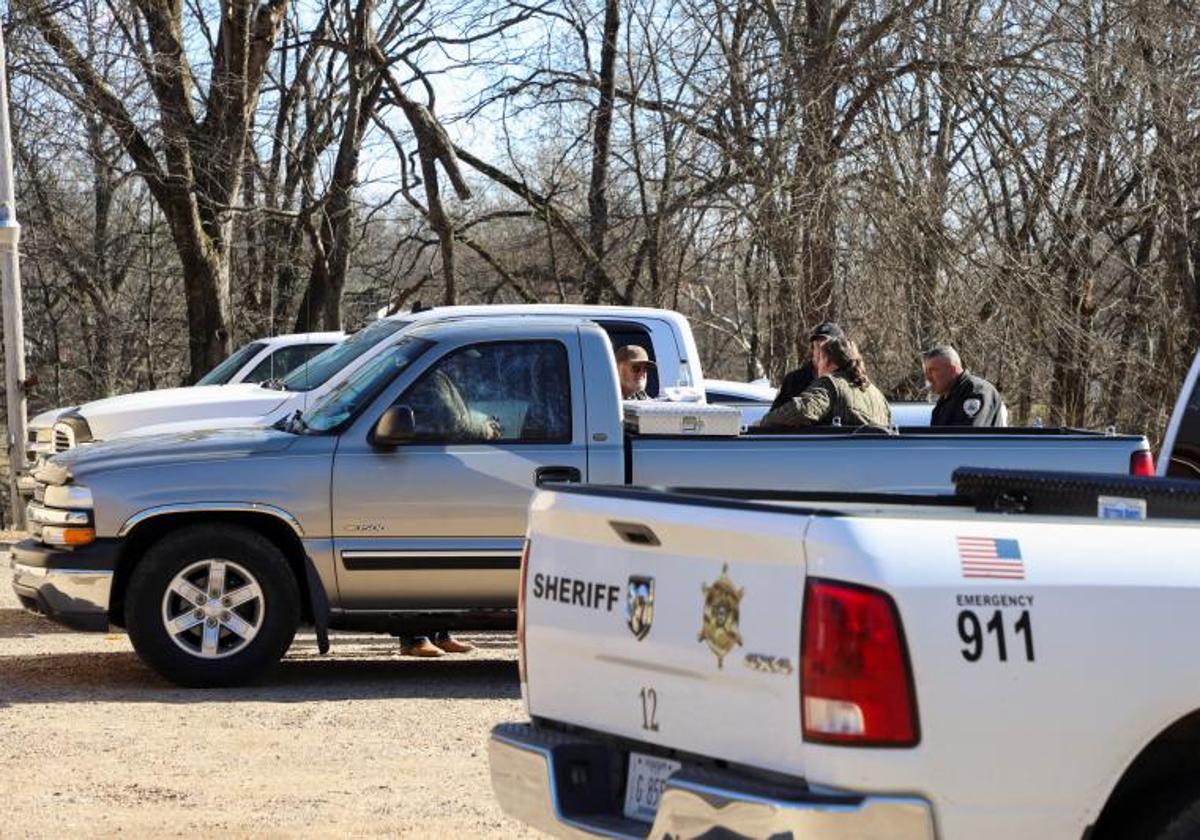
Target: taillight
column 1141, row 463
column 521, row 622
column 856, row 684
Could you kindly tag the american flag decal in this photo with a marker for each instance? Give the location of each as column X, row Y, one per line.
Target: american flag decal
column 985, row 557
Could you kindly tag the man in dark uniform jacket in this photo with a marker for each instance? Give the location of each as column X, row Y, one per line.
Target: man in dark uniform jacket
column 797, row 382
column 963, row 398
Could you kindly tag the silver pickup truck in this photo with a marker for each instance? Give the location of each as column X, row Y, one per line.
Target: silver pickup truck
column 400, row 500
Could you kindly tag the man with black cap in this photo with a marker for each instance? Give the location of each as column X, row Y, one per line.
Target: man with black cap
column 633, row 370
column 796, row 382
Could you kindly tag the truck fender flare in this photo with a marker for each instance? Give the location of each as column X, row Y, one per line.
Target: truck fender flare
column 318, row 599
column 210, row 507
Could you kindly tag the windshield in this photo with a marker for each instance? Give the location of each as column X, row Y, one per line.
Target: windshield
column 346, row 400
column 223, row 372
column 318, row 370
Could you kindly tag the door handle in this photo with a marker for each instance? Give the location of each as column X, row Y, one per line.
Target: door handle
column 544, row 475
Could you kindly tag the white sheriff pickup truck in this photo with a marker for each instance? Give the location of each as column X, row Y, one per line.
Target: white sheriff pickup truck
column 1007, row 662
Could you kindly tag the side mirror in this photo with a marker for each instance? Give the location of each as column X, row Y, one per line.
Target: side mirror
column 395, row 427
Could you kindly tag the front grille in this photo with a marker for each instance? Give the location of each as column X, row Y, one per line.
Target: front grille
column 64, row 438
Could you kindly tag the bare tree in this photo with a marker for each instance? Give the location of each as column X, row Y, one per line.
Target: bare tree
column 192, row 162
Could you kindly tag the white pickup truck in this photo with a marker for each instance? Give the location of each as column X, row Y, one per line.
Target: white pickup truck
column 261, row 360
column 666, row 335
column 1007, row 662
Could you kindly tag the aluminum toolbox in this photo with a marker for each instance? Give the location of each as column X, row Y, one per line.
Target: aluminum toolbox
column 645, row 417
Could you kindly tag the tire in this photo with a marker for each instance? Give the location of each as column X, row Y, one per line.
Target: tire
column 1174, row 814
column 212, row 605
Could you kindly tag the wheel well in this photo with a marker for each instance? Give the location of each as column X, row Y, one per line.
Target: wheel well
column 1172, row 756
column 146, row 533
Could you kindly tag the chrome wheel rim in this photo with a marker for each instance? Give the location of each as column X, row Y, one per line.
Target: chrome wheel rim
column 213, row 609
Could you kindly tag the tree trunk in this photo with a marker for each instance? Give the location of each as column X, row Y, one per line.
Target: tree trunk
column 593, row 288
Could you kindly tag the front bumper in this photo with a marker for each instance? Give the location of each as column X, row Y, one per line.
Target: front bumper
column 569, row 786
column 26, row 485
column 68, row 586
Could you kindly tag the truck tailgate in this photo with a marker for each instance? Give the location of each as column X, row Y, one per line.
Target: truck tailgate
column 670, row 622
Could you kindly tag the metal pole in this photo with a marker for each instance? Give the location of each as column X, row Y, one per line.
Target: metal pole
column 14, row 323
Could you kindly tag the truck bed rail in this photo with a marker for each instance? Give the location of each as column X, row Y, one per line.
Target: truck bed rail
column 985, row 490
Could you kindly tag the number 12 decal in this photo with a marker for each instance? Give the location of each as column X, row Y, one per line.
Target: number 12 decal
column 973, row 634
column 649, row 709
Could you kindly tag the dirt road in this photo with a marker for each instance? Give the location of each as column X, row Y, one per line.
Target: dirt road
column 361, row 742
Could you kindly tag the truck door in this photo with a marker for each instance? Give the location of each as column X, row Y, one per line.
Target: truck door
column 439, row 522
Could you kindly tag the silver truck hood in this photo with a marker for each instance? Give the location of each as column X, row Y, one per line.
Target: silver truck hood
column 159, row 450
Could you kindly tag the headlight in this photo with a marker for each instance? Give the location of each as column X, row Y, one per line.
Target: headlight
column 67, row 496
column 54, row 516
column 41, row 440
column 55, row 535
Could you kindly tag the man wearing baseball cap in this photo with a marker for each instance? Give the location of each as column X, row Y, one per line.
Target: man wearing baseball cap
column 795, row 383
column 633, row 366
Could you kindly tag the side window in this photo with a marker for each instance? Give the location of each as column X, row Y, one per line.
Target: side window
column 621, row 333
column 506, row 392
column 283, row 361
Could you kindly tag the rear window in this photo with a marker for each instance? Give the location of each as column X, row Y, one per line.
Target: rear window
column 623, row 333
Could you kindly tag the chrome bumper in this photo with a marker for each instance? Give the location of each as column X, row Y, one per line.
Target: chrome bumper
column 76, row 597
column 531, row 767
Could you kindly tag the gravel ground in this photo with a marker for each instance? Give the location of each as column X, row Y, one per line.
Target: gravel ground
column 361, row 742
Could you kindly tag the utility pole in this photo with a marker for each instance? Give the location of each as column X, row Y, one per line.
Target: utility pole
column 14, row 322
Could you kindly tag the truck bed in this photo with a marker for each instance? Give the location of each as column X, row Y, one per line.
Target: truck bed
column 671, row 625
column 917, row 460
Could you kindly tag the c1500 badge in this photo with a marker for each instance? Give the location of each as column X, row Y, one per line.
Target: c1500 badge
column 364, row 527
column 769, row 664
column 721, row 609
column 639, row 605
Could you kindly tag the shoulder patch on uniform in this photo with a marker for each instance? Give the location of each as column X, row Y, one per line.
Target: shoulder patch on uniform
column 971, row 406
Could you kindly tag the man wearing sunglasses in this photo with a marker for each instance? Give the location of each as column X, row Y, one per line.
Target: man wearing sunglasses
column 633, row 368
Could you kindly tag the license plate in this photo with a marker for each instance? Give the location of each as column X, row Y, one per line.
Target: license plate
column 648, row 776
